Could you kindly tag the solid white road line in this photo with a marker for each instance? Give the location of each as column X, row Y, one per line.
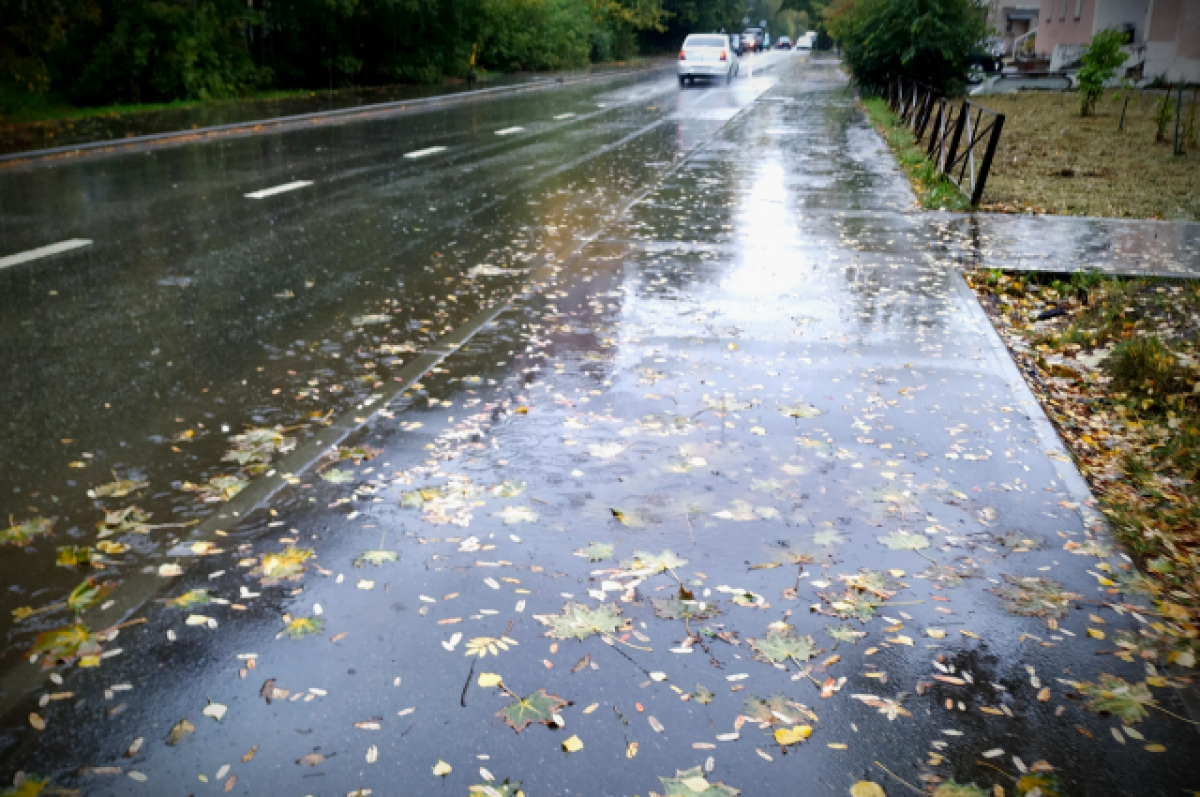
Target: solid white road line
column 44, row 251
column 564, row 116
column 279, row 189
column 509, row 131
column 421, row 153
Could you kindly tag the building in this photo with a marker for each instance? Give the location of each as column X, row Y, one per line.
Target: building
column 1012, row 20
column 1162, row 36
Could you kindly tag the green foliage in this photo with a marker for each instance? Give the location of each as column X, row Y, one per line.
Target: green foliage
column 693, row 783
column 1100, row 62
column 534, row 34
column 780, row 646
column 579, row 622
column 1113, row 695
column 1143, row 366
column 927, row 40
column 1034, row 597
column 540, row 706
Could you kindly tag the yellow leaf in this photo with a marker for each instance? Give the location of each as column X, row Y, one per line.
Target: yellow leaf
column 489, row 679
column 897, row 573
column 793, row 735
column 442, row 769
column 900, row 639
column 1155, row 748
column 572, row 745
column 865, row 788
column 1095, row 633
column 837, row 746
column 1156, row 680
column 936, row 633
column 591, row 708
column 631, row 751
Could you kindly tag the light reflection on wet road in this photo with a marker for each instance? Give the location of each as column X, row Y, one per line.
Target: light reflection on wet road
column 764, row 365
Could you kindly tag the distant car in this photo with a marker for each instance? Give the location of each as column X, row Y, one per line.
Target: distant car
column 709, row 56
column 784, row 43
column 752, row 39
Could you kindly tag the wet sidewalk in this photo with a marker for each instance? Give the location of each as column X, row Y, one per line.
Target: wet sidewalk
column 744, row 491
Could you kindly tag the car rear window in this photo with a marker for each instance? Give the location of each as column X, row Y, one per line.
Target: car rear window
column 706, row 41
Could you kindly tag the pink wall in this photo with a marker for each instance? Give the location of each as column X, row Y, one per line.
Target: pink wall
column 1053, row 29
column 1188, row 29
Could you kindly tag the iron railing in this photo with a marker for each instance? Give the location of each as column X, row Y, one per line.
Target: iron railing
column 963, row 135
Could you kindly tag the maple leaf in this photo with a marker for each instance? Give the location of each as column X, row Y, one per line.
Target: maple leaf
column 88, row 593
column 800, row 410
column 828, row 538
column 886, row 705
column 508, row 489
column 948, row 575
column 482, row 645
column 377, row 557
column 680, row 609
column 779, row 646
column 596, row 551
column 117, row 489
column 952, row 789
column 774, row 710
column 300, row 627
column 516, row 514
column 655, row 563
column 64, row 645
column 23, row 533
column 844, row 634
column 505, row 789
column 194, row 597
column 1015, row 541
column 692, row 783
column 702, row 695
column 1046, row 784
column 579, row 622
column 851, row 605
column 1113, row 695
column 905, row 541
column 876, row 582
column 336, row 476
column 218, row 488
column 1034, row 597
column 631, row 518
column 286, row 564
column 355, row 453
column 540, row 706
column 75, row 556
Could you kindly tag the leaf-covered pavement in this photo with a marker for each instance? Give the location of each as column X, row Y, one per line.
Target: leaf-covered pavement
column 812, row 288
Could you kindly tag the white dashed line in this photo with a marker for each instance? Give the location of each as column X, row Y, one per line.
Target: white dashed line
column 564, row 116
column 44, row 251
column 509, row 131
column 421, row 153
column 279, row 189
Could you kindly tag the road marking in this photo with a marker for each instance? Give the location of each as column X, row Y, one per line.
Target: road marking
column 509, row 131
column 279, row 189
column 421, row 153
column 564, row 116
column 44, row 251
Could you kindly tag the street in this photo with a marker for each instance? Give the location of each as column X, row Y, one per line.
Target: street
column 689, row 354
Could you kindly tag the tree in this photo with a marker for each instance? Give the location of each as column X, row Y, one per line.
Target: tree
column 1100, row 62
column 926, row 40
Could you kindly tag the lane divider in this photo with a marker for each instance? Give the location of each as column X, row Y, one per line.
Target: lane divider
column 421, row 153
column 279, row 189
column 44, row 251
column 508, row 131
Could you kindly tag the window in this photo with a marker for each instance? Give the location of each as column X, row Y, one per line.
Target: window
column 1064, row 11
column 1078, row 8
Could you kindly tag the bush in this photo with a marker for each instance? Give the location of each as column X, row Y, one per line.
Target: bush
column 1100, row 62
column 926, row 40
column 1144, row 366
column 535, row 34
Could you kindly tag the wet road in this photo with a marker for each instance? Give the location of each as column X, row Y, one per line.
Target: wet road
column 706, row 322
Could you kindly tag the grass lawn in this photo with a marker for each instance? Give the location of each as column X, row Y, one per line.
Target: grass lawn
column 1115, row 363
column 36, row 109
column 1051, row 160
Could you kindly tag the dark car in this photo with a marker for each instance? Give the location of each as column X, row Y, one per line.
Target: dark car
column 752, row 39
column 784, row 43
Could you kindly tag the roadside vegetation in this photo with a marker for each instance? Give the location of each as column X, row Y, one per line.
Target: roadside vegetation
column 933, row 189
column 1115, row 363
column 67, row 54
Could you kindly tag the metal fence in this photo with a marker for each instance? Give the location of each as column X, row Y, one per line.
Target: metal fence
column 962, row 134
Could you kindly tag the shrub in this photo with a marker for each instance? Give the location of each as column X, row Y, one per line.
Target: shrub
column 927, row 40
column 1100, row 62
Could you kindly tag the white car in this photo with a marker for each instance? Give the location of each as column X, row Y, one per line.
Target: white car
column 707, row 55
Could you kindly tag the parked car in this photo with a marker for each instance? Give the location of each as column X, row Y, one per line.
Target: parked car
column 709, row 56
column 784, row 43
column 752, row 39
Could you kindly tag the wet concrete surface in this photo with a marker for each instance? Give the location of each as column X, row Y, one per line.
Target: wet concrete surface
column 65, row 132
column 741, row 344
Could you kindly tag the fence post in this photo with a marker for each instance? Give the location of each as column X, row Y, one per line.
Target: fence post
column 937, row 124
column 958, row 129
column 1178, row 115
column 987, row 159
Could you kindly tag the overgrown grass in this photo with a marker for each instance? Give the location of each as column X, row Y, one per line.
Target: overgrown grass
column 934, row 190
column 1116, row 365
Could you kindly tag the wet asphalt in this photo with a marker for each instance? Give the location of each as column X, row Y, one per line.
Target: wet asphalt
column 708, row 321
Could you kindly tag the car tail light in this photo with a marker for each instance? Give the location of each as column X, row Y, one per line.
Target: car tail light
column 723, row 56
column 682, row 57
